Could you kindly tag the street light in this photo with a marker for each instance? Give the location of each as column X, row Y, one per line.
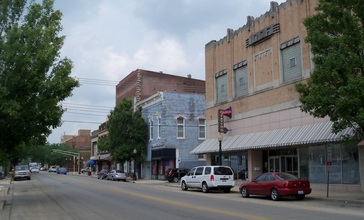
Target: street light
column 134, row 152
column 220, row 138
column 98, row 162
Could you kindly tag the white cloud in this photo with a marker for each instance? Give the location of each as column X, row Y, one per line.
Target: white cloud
column 107, row 39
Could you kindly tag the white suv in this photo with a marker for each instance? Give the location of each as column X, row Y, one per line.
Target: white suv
column 209, row 177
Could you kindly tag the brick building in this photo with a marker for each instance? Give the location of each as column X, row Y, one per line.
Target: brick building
column 82, row 142
column 176, row 124
column 139, row 85
column 254, row 70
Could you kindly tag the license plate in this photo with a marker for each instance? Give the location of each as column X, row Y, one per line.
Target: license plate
column 300, row 192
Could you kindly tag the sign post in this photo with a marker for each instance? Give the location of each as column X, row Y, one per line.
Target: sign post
column 328, row 165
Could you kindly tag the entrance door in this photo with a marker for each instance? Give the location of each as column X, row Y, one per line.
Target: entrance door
column 274, row 164
column 292, row 165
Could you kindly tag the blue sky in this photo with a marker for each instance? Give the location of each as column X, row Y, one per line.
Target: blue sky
column 108, row 39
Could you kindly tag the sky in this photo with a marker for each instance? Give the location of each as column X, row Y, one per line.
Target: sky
column 108, row 39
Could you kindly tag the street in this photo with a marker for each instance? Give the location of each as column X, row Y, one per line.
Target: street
column 54, row 196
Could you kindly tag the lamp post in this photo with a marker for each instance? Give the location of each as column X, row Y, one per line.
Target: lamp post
column 220, row 138
column 98, row 162
column 134, row 152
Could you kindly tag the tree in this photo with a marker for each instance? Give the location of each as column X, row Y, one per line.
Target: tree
column 34, row 79
column 127, row 131
column 336, row 86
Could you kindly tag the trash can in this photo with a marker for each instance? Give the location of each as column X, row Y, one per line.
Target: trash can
column 89, row 173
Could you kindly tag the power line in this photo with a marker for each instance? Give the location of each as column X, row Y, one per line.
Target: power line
column 100, row 82
column 84, row 122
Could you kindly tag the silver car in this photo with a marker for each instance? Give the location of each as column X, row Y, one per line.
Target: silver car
column 116, row 175
column 21, row 172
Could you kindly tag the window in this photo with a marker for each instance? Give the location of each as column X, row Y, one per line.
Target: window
column 292, row 62
column 150, row 129
column 291, row 59
column 221, row 86
column 241, row 80
column 180, row 127
column 201, row 128
column 159, row 128
column 201, row 157
column 199, row 171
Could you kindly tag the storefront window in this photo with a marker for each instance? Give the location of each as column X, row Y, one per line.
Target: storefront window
column 344, row 163
column 350, row 164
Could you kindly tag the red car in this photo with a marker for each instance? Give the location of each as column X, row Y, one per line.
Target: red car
column 276, row 185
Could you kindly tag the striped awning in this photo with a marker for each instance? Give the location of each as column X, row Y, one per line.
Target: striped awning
column 293, row 136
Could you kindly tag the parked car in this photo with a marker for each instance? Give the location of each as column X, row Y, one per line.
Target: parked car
column 43, row 169
column 116, row 175
column 85, row 170
column 21, row 172
column 102, row 174
column 1, row 173
column 62, row 170
column 276, row 185
column 52, row 169
column 172, row 174
column 34, row 170
column 209, row 177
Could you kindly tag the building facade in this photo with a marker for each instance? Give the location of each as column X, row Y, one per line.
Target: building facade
column 252, row 72
column 176, row 124
column 81, row 142
column 137, row 86
column 141, row 84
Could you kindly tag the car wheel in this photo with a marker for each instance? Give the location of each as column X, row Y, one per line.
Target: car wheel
column 175, row 179
column 300, row 197
column 244, row 192
column 226, row 190
column 205, row 189
column 184, row 186
column 274, row 195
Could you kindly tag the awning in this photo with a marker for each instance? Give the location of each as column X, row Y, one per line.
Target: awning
column 293, row 136
column 91, row 162
column 101, row 157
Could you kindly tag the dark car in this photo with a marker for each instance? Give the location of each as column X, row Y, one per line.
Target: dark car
column 62, row 170
column 102, row 174
column 276, row 185
column 172, row 174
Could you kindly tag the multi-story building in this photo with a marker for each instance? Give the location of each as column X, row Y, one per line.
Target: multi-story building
column 176, row 124
column 141, row 84
column 81, row 142
column 254, row 70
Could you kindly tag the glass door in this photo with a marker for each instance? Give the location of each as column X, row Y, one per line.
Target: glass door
column 291, row 165
column 274, row 164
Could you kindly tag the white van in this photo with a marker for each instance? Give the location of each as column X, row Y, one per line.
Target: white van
column 209, row 177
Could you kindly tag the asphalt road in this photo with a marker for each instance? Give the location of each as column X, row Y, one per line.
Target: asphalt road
column 53, row 196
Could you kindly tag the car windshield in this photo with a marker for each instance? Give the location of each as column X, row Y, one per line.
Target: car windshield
column 21, row 168
column 286, row 176
column 222, row 171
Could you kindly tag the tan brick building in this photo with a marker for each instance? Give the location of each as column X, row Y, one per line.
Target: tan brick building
column 254, row 70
